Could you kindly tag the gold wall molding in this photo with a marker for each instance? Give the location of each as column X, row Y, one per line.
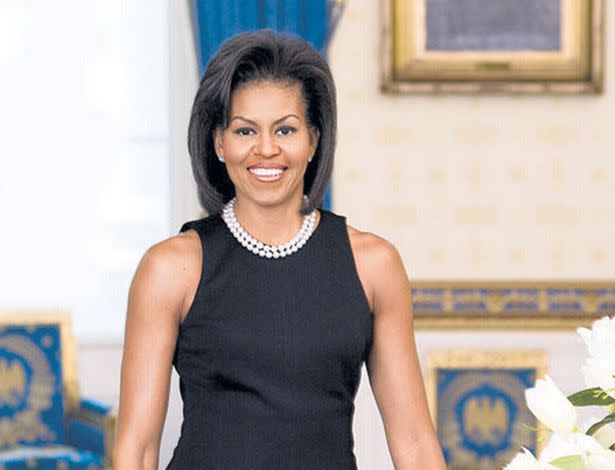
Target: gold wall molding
column 510, row 304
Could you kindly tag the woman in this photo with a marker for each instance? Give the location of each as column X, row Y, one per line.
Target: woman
column 268, row 306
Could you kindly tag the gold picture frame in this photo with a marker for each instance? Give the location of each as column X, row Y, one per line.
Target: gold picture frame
column 552, row 305
column 411, row 65
column 477, row 404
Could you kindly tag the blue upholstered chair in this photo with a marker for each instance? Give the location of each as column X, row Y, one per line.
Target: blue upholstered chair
column 44, row 424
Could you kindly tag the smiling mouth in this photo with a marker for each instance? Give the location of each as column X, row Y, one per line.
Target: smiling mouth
column 267, row 174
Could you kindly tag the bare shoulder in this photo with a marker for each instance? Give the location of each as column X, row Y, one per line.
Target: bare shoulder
column 370, row 247
column 172, row 256
column 167, row 269
column 376, row 258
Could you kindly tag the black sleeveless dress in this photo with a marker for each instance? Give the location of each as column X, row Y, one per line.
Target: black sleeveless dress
column 270, row 353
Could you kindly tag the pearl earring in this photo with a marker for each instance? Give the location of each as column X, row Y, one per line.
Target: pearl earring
column 310, row 159
column 221, row 158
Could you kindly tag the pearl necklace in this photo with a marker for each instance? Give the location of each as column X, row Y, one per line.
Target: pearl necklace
column 263, row 249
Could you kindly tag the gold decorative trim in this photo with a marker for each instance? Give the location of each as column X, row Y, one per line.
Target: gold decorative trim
column 26, row 424
column 109, row 426
column 510, row 304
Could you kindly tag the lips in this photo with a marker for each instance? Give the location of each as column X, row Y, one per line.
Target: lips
column 267, row 174
column 262, row 165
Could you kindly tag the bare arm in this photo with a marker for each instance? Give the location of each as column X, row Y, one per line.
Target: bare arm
column 154, row 304
column 393, row 367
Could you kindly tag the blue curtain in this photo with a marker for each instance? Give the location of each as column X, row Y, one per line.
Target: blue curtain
column 217, row 20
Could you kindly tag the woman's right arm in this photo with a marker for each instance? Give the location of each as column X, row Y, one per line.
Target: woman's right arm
column 155, row 299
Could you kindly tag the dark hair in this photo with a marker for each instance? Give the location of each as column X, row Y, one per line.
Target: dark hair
column 253, row 57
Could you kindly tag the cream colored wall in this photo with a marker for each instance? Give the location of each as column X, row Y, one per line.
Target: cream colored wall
column 474, row 187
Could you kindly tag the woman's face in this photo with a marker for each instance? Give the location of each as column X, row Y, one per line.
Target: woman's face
column 267, row 127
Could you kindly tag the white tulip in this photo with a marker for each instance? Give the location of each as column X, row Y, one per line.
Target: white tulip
column 599, row 368
column 560, row 445
column 599, row 371
column 604, row 460
column 575, row 443
column 526, row 461
column 600, row 340
column 605, row 435
column 546, row 401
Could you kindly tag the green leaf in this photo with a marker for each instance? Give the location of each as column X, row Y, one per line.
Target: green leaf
column 591, row 397
column 569, row 462
column 606, row 420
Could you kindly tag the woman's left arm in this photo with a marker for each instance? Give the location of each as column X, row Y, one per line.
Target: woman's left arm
column 393, row 367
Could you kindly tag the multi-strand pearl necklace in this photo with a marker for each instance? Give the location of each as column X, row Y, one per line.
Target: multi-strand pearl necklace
column 263, row 249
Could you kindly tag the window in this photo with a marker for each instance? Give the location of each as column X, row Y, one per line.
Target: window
column 85, row 183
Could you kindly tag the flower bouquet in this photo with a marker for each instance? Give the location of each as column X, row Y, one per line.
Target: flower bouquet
column 569, row 447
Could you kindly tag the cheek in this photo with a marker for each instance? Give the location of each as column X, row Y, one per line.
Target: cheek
column 301, row 149
column 236, row 148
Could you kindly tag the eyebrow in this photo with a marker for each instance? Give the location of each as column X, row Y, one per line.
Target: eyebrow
column 254, row 123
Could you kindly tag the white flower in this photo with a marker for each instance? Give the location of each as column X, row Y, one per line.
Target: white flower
column 576, row 443
column 526, row 461
column 600, row 340
column 546, row 401
column 560, row 445
column 604, row 460
column 605, row 435
column 600, row 372
column 599, row 368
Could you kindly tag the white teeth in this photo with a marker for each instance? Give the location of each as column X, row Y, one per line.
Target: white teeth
column 266, row 171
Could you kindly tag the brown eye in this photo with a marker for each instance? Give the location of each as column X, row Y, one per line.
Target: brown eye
column 286, row 130
column 244, row 131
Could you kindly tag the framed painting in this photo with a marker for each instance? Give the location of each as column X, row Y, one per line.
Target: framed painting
column 492, row 46
column 477, row 403
column 510, row 304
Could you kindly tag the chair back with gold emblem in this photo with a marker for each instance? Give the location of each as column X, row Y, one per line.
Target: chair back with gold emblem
column 43, row 422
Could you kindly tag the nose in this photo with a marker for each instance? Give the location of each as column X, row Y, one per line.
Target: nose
column 266, row 145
